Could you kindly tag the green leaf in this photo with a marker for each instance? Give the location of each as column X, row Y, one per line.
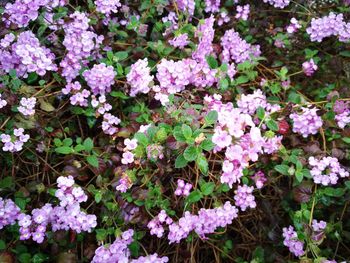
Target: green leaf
column 191, row 153
column 345, row 53
column 299, row 175
column 101, row 234
column 212, row 62
column 272, row 125
column 79, row 148
column 92, row 160
column 67, row 142
column 121, row 55
column 346, row 139
column 241, row 80
column 186, row 131
column 64, row 150
column 194, row 196
column 211, row 118
column 207, row 145
column 282, row 169
column 24, row 258
column 119, row 94
column 142, row 138
column 260, row 112
column 2, row 244
column 224, row 84
column 207, row 188
column 202, row 164
column 88, row 144
column 7, row 182
column 180, row 161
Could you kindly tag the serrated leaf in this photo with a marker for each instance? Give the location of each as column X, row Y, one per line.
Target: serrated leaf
column 272, row 125
column 92, row 160
column 260, row 112
column 88, row 144
column 64, row 150
column 180, row 161
column 142, row 138
column 191, row 153
column 211, row 117
column 121, row 55
column 299, row 176
column 202, row 164
column 207, row 145
column 119, row 94
column 282, row 169
column 207, row 188
column 186, row 131
column 194, row 196
column 212, row 62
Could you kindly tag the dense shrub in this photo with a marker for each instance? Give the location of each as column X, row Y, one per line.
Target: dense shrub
column 175, row 131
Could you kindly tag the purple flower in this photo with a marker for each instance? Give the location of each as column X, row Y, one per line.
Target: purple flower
column 309, row 67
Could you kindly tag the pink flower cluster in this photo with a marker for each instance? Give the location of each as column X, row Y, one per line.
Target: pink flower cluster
column 330, row 25
column 118, row 251
column 27, row 106
column 27, row 55
column 183, row 188
column 342, row 110
column 107, row 7
column 237, row 49
column 186, row 6
column 100, row 78
column 278, row 3
column 243, row 12
column 294, row 26
column 326, row 170
column 309, row 67
column 260, row 179
column 236, row 131
column 67, row 215
column 14, row 143
column 139, row 77
column 307, row 122
column 3, row 102
column 180, row 41
column 205, row 33
column 212, row 6
column 244, row 197
column 21, row 12
column 204, row 223
column 291, row 241
column 79, row 42
column 9, row 212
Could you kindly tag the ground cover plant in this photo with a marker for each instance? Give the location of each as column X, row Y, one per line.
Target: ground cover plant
column 175, row 131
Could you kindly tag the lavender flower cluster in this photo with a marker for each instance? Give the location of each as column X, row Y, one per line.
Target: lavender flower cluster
column 330, row 25
column 118, row 251
column 342, row 111
column 326, row 170
column 202, row 224
column 14, row 143
column 291, row 241
column 278, row 3
column 307, row 122
column 26, row 55
column 9, row 212
column 139, row 77
column 27, row 106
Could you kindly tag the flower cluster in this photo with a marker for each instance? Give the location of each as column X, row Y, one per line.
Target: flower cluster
column 231, row 132
column 342, row 110
column 309, row 67
column 204, row 223
column 14, row 143
column 327, row 170
column 237, row 49
column 67, row 215
column 318, row 225
column 186, row 6
column 243, row 12
column 27, row 55
column 212, row 6
column 139, row 77
column 244, row 197
column 79, row 42
column 156, row 224
column 259, row 179
column 291, row 241
column 180, row 41
column 9, row 212
column 278, row 3
column 294, row 26
column 100, row 78
column 3, row 102
column 107, row 6
column 27, row 106
column 183, row 188
column 330, row 25
column 205, row 33
column 155, row 152
column 307, row 122
column 118, row 251
column 21, row 12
